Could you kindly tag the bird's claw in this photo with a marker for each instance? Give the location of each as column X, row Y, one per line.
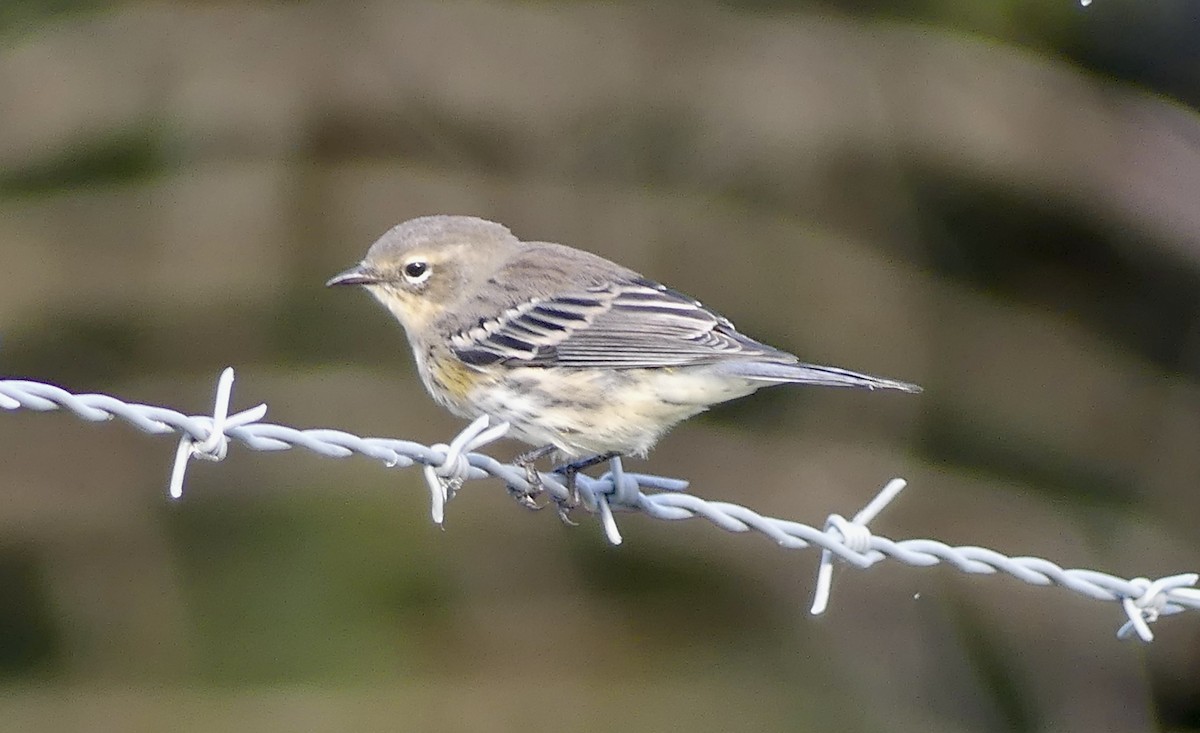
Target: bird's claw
column 527, row 500
column 571, row 501
column 564, row 514
column 569, row 472
column 527, row 497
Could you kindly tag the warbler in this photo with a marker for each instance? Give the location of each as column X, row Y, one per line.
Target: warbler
column 580, row 355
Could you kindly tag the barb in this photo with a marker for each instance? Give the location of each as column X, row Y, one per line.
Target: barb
column 1154, row 602
column 1142, row 600
column 216, row 445
column 854, row 535
column 444, row 480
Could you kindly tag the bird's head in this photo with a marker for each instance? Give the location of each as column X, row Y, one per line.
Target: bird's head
column 422, row 266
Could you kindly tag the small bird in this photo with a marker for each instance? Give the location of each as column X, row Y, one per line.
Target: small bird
column 580, row 355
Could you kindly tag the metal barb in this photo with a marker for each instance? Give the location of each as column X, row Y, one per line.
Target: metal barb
column 854, row 535
column 1145, row 609
column 619, row 483
column 444, row 479
column 215, row 444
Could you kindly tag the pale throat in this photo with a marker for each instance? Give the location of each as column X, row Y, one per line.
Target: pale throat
column 414, row 313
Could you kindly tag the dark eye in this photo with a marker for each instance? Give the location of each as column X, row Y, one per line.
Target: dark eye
column 416, row 271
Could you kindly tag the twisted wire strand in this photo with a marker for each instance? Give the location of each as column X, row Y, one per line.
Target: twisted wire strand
column 1144, row 600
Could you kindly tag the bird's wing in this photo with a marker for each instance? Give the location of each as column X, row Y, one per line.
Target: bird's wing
column 627, row 325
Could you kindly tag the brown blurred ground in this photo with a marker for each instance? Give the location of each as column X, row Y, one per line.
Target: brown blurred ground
column 1016, row 234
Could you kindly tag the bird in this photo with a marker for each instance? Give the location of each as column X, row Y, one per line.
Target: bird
column 584, row 358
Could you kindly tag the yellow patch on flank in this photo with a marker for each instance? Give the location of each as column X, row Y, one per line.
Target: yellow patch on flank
column 454, row 377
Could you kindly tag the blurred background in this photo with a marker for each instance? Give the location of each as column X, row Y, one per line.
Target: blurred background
column 997, row 199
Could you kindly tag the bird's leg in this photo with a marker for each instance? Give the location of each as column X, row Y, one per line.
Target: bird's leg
column 526, row 461
column 569, row 472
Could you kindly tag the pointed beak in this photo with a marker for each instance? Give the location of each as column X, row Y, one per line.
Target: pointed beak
column 360, row 274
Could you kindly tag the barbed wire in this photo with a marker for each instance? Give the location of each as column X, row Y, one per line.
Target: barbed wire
column 446, row 466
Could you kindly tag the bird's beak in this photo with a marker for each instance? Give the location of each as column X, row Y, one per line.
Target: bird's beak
column 360, row 274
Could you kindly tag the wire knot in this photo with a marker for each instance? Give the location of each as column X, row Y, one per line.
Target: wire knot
column 448, row 475
column 215, row 444
column 1153, row 601
column 626, row 492
column 446, row 478
column 854, row 535
column 851, row 534
column 455, row 467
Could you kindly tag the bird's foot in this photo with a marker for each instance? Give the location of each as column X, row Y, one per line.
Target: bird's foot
column 569, row 472
column 527, row 496
column 564, row 506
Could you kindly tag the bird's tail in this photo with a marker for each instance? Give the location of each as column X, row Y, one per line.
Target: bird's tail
column 799, row 373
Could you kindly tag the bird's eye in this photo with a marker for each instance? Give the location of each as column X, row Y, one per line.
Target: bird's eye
column 416, row 271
